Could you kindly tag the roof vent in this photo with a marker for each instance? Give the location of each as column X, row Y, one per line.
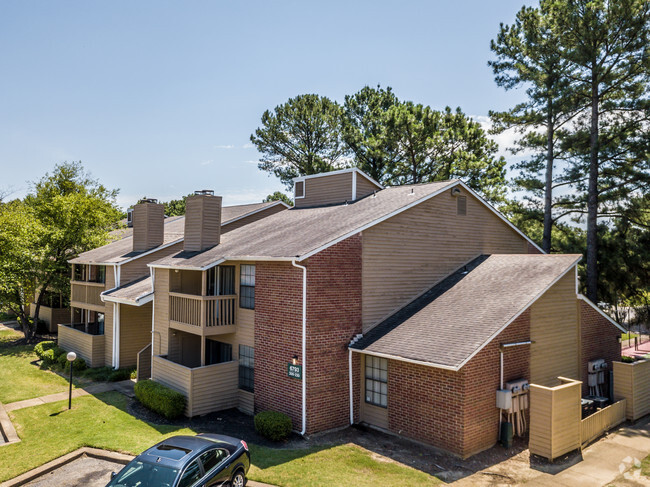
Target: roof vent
column 204, row 192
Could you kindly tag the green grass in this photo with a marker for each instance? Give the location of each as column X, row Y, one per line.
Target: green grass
column 19, row 378
column 50, row 430
column 336, row 465
column 628, row 336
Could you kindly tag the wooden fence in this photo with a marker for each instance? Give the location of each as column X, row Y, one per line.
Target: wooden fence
column 605, row 419
column 202, row 311
column 88, row 347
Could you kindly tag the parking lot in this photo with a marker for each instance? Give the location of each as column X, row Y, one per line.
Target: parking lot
column 86, row 471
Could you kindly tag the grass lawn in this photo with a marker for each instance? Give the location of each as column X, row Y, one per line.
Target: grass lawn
column 50, row 430
column 19, row 379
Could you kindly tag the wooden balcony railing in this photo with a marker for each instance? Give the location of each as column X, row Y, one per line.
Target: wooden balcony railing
column 208, row 314
column 82, row 292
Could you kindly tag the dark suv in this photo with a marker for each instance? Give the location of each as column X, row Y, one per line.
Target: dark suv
column 204, row 460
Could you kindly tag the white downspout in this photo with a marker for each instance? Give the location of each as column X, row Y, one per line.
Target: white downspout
column 153, row 308
column 116, row 322
column 304, row 345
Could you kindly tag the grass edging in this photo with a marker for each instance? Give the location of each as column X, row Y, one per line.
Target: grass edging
column 110, row 456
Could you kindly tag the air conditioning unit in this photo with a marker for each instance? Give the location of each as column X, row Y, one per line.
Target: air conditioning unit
column 517, row 386
column 596, row 365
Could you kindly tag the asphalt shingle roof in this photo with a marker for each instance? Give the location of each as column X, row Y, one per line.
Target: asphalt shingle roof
column 457, row 317
column 122, row 249
column 132, row 291
column 299, row 231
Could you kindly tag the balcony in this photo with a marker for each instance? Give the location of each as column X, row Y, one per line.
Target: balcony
column 89, row 346
column 86, row 295
column 203, row 315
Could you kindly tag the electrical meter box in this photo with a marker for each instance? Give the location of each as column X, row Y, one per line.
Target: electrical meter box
column 504, row 398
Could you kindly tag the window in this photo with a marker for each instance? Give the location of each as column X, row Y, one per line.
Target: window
column 100, row 274
column 246, row 368
column 217, row 352
column 300, row 189
column 212, row 458
column 192, row 474
column 247, row 287
column 377, row 381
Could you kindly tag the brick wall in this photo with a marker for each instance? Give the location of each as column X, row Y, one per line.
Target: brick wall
column 333, row 318
column 456, row 411
column 599, row 339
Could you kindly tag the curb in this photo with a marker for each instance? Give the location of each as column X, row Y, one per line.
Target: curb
column 59, row 462
column 7, row 431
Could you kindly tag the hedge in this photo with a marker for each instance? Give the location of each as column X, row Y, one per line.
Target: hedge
column 273, row 425
column 160, row 399
column 41, row 347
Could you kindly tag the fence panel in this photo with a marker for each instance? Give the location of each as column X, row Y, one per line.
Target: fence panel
column 595, row 425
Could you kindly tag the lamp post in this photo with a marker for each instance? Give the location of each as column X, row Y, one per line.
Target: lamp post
column 71, row 358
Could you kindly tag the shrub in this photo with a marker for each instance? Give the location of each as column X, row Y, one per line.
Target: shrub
column 41, row 347
column 78, row 365
column 160, row 399
column 119, row 374
column 52, row 356
column 627, row 360
column 273, row 425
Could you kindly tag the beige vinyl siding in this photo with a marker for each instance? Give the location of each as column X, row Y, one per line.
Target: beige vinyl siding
column 365, row 187
column 108, row 334
column 161, row 311
column 410, row 252
column 202, row 222
column 554, row 419
column 554, row 332
column 632, row 382
column 246, row 402
column 88, row 347
column 253, row 218
column 135, row 332
column 51, row 316
column 368, row 413
column 138, row 268
column 148, row 226
column 324, row 190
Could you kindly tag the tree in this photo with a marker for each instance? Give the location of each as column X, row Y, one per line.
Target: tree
column 435, row 146
column 65, row 213
column 300, row 137
column 606, row 42
column 175, row 207
column 365, row 130
column 278, row 196
column 528, row 55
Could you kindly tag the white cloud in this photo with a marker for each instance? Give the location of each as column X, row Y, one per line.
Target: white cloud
column 505, row 139
column 252, row 162
column 247, row 146
column 224, row 146
column 206, row 163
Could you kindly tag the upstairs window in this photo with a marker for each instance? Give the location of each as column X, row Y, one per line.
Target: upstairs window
column 98, row 274
column 247, row 287
column 79, row 272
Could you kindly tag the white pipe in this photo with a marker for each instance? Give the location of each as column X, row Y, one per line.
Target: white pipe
column 304, row 345
column 153, row 308
column 116, row 336
column 351, row 389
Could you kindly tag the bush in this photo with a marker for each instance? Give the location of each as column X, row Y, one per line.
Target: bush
column 160, row 399
column 273, row 425
column 52, row 356
column 627, row 360
column 78, row 365
column 119, row 374
column 42, row 347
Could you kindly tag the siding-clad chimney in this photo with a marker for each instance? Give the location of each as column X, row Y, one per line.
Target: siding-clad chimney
column 148, row 225
column 202, row 221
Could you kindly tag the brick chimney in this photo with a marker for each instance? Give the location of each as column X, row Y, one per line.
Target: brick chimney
column 148, row 225
column 202, row 221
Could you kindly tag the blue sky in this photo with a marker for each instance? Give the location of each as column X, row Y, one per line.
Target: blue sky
column 159, row 98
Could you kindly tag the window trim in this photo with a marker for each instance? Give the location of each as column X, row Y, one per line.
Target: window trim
column 304, row 189
column 240, row 366
column 247, row 286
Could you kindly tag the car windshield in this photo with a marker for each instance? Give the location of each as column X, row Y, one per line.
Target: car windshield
column 140, row 474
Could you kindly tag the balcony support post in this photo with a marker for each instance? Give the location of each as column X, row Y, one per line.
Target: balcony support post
column 204, row 292
column 202, row 351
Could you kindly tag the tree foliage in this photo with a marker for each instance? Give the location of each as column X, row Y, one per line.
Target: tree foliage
column 278, row 196
column 302, row 136
column 366, row 131
column 65, row 213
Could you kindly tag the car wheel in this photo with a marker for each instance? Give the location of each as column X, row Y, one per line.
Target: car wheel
column 238, row 480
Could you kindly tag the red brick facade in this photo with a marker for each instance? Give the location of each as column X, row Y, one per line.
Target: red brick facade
column 456, row 411
column 598, row 339
column 333, row 319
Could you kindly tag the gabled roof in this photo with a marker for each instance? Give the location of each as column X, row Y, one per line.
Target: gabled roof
column 135, row 293
column 301, row 232
column 356, row 170
column 121, row 250
column 449, row 324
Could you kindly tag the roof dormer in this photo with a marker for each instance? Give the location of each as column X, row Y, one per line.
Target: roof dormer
column 344, row 185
